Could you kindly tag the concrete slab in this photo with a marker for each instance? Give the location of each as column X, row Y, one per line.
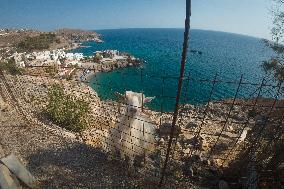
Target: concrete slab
column 17, row 168
column 7, row 179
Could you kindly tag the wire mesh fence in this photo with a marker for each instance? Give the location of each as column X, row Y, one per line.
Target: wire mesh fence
column 233, row 135
column 237, row 139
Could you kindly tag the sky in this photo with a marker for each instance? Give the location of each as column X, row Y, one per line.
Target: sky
column 249, row 17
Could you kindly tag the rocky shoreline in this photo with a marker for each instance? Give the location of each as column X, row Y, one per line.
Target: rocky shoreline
column 89, row 69
column 104, row 68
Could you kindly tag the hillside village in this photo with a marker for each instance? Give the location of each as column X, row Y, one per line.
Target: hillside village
column 67, row 62
column 30, row 48
column 61, row 57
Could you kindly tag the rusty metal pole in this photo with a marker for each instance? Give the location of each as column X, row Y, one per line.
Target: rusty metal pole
column 179, row 91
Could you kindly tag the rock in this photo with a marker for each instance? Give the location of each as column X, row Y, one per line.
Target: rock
column 203, row 143
column 281, row 166
column 162, row 141
column 243, row 136
column 17, row 168
column 182, row 138
column 191, row 125
column 223, row 185
column 178, row 146
column 260, row 120
column 230, row 128
column 186, row 151
column 188, row 171
column 7, row 179
column 195, row 158
column 206, row 162
column 197, row 142
column 3, row 105
column 188, row 107
column 209, row 115
column 191, row 141
column 218, row 162
column 165, row 129
column 238, row 117
column 189, row 161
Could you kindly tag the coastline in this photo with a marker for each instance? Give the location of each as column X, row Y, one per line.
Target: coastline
column 101, row 68
column 75, row 46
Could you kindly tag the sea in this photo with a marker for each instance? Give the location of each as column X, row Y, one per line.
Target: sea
column 219, row 66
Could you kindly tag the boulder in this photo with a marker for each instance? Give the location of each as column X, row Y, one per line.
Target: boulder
column 165, row 129
column 243, row 136
column 7, row 179
column 18, row 169
column 162, row 141
column 196, row 142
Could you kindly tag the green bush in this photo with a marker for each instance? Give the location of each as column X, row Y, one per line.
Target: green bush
column 97, row 58
column 11, row 67
column 65, row 110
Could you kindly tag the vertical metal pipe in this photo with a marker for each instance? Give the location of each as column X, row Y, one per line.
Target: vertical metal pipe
column 179, row 91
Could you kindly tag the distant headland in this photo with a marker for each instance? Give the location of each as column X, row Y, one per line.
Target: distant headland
column 27, row 40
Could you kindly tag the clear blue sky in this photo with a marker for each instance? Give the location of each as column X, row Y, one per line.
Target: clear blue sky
column 249, row 17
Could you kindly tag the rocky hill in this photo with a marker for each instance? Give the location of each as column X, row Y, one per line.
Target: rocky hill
column 77, row 35
column 15, row 40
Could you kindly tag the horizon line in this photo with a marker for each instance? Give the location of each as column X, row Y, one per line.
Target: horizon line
column 211, row 30
column 99, row 29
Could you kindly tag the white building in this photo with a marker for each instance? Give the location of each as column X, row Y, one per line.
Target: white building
column 74, row 56
column 47, row 57
column 19, row 59
column 44, row 55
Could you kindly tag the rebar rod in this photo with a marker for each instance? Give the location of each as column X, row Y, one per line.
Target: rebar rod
column 182, row 70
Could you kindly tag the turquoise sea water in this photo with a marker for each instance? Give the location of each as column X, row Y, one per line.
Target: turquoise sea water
column 225, row 54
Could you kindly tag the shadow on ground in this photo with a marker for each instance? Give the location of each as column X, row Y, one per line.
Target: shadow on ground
column 77, row 165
